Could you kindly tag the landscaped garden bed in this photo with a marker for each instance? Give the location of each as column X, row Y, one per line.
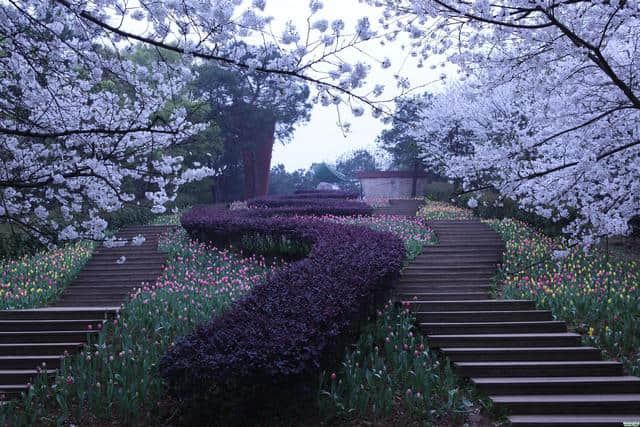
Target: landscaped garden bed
column 117, row 377
column 275, row 341
column 596, row 293
column 37, row 280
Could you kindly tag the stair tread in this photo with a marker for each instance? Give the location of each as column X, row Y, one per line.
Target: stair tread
column 26, row 357
column 531, row 380
column 514, row 349
column 25, row 371
column 533, row 335
column 550, row 419
column 541, row 363
column 536, row 322
column 568, row 398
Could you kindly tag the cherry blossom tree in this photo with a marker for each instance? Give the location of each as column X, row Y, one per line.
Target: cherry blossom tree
column 548, row 95
column 79, row 118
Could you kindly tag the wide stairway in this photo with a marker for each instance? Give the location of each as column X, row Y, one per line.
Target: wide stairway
column 528, row 364
column 37, row 339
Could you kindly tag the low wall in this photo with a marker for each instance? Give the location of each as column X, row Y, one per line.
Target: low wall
column 393, row 187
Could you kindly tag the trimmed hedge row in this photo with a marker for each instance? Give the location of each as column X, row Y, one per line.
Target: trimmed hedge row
column 323, row 194
column 280, row 336
column 289, row 206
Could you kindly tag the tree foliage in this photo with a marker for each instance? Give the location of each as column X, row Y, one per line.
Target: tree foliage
column 548, row 98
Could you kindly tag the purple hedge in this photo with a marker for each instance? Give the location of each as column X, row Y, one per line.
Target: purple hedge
column 298, row 320
column 323, row 194
column 288, row 206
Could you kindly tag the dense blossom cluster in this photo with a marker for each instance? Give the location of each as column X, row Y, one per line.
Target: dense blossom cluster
column 80, row 118
column 547, row 104
column 34, row 281
column 288, row 326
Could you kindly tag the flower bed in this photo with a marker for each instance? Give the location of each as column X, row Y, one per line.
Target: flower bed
column 293, row 206
column 442, row 211
column 413, row 231
column 34, row 281
column 298, row 320
column 322, row 194
column 117, row 378
column 391, row 377
column 596, row 295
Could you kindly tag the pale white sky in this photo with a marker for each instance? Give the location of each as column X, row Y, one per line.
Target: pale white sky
column 321, row 139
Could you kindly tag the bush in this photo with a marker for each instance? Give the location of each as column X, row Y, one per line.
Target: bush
column 322, row 194
column 288, row 207
column 129, row 215
column 278, row 338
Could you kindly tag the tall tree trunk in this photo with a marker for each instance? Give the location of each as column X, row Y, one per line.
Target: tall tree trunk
column 249, row 163
column 264, row 150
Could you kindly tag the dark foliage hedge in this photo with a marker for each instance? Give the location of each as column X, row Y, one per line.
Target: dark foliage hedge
column 323, row 194
column 289, row 206
column 296, row 322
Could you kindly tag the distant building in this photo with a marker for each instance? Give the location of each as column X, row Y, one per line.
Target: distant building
column 393, row 184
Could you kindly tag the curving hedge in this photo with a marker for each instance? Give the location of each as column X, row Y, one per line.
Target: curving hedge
column 323, row 194
column 296, row 322
column 305, row 206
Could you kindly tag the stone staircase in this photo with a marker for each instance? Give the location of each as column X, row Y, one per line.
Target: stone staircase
column 36, row 340
column 531, row 367
column 404, row 207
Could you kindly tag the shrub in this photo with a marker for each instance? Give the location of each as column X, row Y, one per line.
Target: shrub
column 278, row 338
column 322, row 194
column 289, row 206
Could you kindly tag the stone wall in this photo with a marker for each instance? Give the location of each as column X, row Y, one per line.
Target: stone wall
column 394, row 187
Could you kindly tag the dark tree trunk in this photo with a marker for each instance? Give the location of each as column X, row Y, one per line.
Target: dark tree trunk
column 249, row 163
column 264, row 149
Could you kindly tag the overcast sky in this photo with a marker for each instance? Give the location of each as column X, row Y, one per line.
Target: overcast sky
column 321, row 139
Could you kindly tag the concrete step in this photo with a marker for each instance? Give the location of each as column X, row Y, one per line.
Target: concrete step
column 21, row 376
column 574, row 420
column 86, row 303
column 48, row 325
column 412, row 289
column 493, row 327
column 483, row 354
column 45, row 336
column 447, row 262
column 116, row 275
column 483, row 316
column 19, row 362
column 558, row 385
column 569, row 404
column 404, row 281
column 443, row 296
column 51, row 313
column 127, row 267
column 39, row 348
column 11, row 391
column 486, row 270
column 479, row 305
column 592, row 368
column 505, row 340
column 440, row 276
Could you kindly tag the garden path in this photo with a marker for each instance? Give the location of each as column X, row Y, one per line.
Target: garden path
column 529, row 365
column 37, row 339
